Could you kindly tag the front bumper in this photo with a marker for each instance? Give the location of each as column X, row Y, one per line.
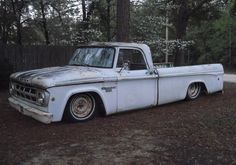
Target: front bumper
column 44, row 117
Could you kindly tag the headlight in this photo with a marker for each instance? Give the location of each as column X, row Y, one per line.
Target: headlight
column 11, row 88
column 42, row 97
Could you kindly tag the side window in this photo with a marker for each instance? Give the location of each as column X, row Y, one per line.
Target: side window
column 133, row 57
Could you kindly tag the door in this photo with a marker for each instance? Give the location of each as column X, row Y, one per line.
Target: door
column 137, row 88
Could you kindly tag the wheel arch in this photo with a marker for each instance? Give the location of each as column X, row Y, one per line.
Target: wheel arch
column 99, row 99
column 202, row 83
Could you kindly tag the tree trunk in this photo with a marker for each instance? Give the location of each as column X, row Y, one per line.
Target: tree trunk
column 84, row 10
column 87, row 16
column 46, row 35
column 19, row 34
column 108, row 20
column 17, row 8
column 182, row 16
column 123, row 14
column 181, row 23
column 181, row 28
column 5, row 26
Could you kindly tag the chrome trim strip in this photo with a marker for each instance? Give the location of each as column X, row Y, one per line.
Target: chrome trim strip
column 191, row 74
column 104, row 80
column 138, row 77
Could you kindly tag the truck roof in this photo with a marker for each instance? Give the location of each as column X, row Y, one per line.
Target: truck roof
column 125, row 44
column 143, row 47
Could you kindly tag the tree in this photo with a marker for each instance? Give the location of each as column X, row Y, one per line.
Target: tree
column 108, row 22
column 84, row 10
column 146, row 21
column 44, row 21
column 215, row 39
column 6, row 21
column 181, row 14
column 107, row 19
column 233, row 8
column 17, row 7
column 123, row 15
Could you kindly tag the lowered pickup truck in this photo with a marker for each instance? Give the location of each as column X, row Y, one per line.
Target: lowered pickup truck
column 108, row 78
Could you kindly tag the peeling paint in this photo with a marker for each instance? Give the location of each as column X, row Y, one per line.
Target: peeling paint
column 58, row 76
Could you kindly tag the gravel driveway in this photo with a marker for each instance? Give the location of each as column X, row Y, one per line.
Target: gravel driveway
column 187, row 132
column 230, row 78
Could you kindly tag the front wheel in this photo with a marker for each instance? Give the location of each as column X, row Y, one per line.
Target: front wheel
column 81, row 107
column 193, row 91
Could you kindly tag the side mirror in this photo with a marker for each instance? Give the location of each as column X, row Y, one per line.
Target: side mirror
column 152, row 71
column 125, row 66
column 155, row 71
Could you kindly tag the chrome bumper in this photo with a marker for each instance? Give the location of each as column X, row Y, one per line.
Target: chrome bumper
column 43, row 117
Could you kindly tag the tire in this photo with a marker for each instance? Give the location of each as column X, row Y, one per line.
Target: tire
column 80, row 108
column 194, row 91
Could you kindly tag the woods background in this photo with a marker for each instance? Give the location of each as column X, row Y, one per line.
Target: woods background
column 42, row 33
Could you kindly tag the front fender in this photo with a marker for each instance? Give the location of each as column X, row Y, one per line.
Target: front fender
column 59, row 97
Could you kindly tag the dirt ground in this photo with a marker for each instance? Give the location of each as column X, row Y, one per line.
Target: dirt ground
column 187, row 132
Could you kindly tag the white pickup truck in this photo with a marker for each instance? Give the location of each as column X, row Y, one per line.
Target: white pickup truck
column 109, row 78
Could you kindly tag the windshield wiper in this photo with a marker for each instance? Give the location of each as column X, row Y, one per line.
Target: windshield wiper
column 87, row 65
column 74, row 64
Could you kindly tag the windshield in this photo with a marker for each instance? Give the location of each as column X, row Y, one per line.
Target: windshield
column 94, row 57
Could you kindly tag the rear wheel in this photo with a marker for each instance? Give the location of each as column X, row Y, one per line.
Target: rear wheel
column 81, row 107
column 193, row 91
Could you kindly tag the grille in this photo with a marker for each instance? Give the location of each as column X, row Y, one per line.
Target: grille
column 24, row 92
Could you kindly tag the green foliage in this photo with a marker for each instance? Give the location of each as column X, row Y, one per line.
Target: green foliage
column 204, row 30
column 146, row 24
column 215, row 40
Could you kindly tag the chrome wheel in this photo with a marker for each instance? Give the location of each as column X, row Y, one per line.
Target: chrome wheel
column 81, row 107
column 194, row 91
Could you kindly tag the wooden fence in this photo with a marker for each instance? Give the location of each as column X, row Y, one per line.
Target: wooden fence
column 15, row 58
column 21, row 58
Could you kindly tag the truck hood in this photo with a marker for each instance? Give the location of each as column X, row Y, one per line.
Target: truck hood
column 59, row 76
